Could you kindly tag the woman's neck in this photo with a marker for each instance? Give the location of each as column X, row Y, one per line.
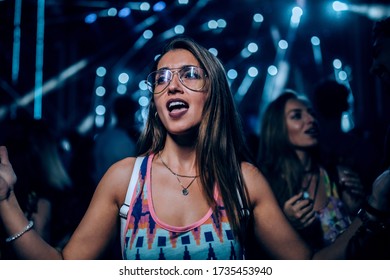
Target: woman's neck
column 178, row 157
column 305, row 159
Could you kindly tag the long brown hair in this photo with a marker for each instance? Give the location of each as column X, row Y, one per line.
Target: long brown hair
column 220, row 146
column 277, row 158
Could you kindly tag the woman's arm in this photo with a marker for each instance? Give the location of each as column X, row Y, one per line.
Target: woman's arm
column 30, row 244
column 278, row 237
column 101, row 222
column 43, row 218
column 272, row 229
column 95, row 231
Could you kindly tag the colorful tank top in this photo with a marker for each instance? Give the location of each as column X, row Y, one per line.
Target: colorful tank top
column 334, row 217
column 148, row 238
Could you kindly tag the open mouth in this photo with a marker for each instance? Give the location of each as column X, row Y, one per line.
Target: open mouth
column 177, row 105
column 313, row 131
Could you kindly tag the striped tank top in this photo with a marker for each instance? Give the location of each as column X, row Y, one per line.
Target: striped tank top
column 148, row 238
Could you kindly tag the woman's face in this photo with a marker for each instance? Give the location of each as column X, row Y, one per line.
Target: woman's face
column 179, row 108
column 301, row 125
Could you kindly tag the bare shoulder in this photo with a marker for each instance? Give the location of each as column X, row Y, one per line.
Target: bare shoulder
column 272, row 229
column 252, row 175
column 255, row 182
column 115, row 181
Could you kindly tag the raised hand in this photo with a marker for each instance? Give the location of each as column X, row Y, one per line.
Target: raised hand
column 352, row 189
column 7, row 175
column 299, row 211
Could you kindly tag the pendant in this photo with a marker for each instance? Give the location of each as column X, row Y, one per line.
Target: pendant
column 185, row 192
column 306, row 195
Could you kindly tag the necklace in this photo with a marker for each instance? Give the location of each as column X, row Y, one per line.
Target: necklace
column 306, row 194
column 184, row 190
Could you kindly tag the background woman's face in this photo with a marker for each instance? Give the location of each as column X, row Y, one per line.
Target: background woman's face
column 301, row 125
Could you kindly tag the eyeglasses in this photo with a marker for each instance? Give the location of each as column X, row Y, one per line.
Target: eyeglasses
column 192, row 77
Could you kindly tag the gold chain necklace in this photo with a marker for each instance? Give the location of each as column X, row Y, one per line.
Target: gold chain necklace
column 184, row 190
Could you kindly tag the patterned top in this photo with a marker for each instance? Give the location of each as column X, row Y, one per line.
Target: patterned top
column 148, row 238
column 331, row 221
column 334, row 217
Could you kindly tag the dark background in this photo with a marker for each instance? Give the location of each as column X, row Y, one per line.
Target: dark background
column 109, row 42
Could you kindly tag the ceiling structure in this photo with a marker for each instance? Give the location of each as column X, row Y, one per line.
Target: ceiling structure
column 73, row 50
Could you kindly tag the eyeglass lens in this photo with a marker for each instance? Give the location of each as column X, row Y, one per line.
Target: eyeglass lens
column 191, row 77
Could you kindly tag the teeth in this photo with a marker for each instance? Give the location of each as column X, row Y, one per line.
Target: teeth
column 176, row 103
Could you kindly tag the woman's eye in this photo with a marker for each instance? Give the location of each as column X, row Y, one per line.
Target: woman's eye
column 191, row 74
column 296, row 116
column 161, row 79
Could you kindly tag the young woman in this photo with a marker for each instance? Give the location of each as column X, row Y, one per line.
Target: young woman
column 288, row 157
column 194, row 182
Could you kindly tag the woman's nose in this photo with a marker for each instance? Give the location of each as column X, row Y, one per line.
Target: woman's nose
column 174, row 84
column 309, row 118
